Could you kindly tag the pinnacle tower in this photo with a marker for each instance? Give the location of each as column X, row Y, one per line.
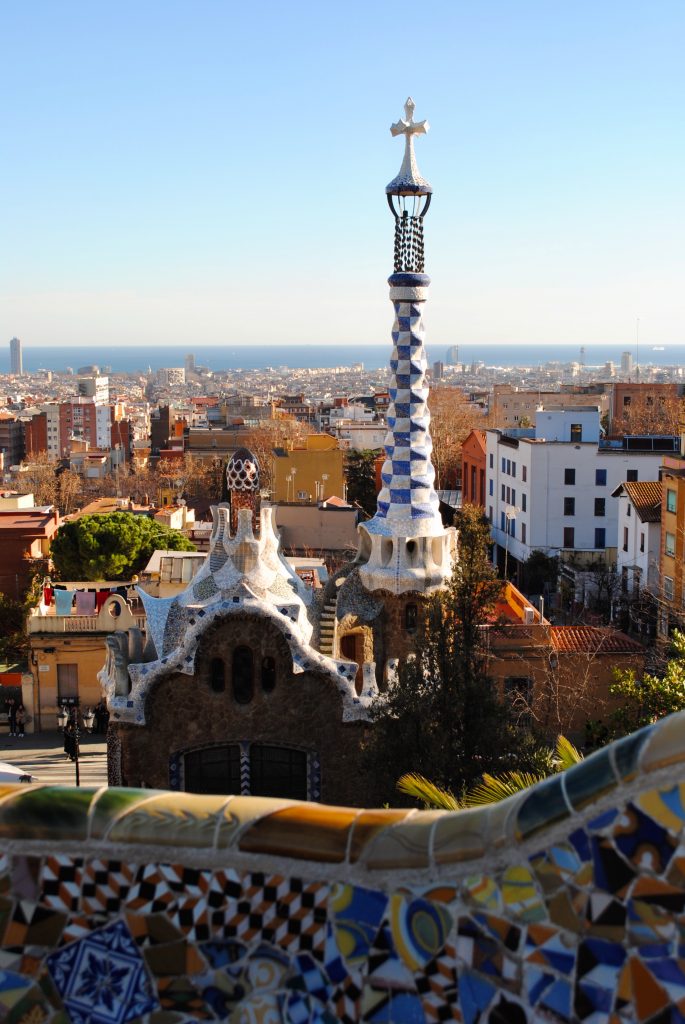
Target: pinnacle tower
column 405, row 547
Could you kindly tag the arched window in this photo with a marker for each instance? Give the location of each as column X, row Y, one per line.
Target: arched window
column 268, row 674
column 243, row 685
column 410, row 617
column 217, row 676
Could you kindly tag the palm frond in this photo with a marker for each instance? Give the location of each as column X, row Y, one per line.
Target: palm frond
column 493, row 788
column 566, row 755
column 427, row 792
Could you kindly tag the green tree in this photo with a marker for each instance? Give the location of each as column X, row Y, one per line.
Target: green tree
column 539, row 569
column 645, row 699
column 442, row 717
column 360, row 472
column 111, row 547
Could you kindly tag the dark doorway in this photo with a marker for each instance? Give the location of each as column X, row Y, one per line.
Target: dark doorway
column 352, row 649
column 278, row 771
column 213, row 770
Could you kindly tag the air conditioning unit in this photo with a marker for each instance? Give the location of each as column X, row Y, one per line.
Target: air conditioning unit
column 528, row 615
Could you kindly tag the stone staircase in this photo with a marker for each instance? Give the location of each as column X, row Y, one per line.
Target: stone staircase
column 327, row 628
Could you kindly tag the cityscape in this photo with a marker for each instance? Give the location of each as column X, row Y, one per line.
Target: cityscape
column 342, row 680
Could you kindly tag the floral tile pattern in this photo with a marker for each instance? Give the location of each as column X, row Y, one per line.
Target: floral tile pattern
column 577, row 918
column 102, row 978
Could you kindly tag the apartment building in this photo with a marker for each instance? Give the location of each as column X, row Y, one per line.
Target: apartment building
column 549, row 487
column 639, row 535
column 511, row 406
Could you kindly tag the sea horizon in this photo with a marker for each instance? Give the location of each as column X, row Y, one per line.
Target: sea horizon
column 131, row 359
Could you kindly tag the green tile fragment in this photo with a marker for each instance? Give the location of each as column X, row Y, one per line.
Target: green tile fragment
column 51, row 813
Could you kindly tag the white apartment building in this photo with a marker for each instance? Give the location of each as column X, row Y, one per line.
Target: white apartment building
column 549, row 487
column 639, row 535
column 171, row 376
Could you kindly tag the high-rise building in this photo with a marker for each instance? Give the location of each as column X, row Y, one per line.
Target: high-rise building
column 626, row 362
column 16, row 364
column 94, row 387
column 452, row 355
column 190, row 363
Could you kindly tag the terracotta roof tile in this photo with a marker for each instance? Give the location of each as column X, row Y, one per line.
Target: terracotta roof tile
column 593, row 640
column 646, row 497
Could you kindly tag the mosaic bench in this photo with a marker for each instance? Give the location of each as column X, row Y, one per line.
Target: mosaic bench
column 564, row 903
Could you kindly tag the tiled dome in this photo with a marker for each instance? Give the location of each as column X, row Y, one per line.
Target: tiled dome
column 242, row 472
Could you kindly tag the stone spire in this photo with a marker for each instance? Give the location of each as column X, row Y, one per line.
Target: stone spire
column 405, row 546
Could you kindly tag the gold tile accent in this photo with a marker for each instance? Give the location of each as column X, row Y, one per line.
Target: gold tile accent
column 368, row 825
column 241, row 812
column 461, row 835
column 666, row 745
column 303, row 831
column 406, row 845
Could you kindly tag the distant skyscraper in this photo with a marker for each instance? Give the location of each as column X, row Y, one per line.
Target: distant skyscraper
column 452, row 356
column 438, row 370
column 16, row 364
column 190, row 363
column 626, row 362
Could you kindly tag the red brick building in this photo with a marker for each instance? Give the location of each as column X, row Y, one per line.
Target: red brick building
column 473, row 469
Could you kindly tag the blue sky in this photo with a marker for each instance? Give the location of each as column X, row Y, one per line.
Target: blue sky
column 206, row 172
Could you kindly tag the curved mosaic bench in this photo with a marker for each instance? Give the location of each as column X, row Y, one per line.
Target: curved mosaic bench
column 565, row 903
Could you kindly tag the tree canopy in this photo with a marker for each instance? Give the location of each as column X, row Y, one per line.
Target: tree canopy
column 360, row 472
column 645, row 699
column 114, row 546
column 442, row 716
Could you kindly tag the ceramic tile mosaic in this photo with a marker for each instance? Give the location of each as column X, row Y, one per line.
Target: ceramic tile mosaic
column 566, row 903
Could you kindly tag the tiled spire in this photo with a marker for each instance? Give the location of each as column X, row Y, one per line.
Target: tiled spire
column 405, row 546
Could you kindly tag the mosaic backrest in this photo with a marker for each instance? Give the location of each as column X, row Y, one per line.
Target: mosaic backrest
column 564, row 903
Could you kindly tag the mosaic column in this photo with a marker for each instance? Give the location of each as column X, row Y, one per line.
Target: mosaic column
column 405, row 546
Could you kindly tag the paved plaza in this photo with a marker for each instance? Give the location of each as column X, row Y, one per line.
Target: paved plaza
column 43, row 757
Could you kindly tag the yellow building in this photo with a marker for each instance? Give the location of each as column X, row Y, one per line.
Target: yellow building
column 672, row 596
column 66, row 651
column 308, row 473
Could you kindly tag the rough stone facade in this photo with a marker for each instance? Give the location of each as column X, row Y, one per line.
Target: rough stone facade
column 303, row 711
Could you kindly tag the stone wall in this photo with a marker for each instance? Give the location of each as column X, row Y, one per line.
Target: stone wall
column 564, row 903
column 304, row 711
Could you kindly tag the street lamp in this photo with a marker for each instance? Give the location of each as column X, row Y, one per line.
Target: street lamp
column 68, row 717
column 288, row 481
column 510, row 514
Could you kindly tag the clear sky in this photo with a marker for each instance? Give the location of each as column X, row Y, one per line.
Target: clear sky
column 213, row 172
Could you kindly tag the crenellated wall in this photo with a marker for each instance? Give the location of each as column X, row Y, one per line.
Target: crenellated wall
column 565, row 903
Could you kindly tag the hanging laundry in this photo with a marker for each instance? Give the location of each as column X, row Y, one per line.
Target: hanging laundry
column 100, row 598
column 47, row 596
column 63, row 601
column 85, row 602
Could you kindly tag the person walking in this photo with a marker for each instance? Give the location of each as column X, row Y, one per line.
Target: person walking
column 20, row 720
column 11, row 706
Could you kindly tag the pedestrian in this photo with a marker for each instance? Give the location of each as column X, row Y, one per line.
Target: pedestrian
column 70, row 740
column 20, row 719
column 11, row 706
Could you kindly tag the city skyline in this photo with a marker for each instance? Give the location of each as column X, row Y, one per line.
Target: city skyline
column 170, row 162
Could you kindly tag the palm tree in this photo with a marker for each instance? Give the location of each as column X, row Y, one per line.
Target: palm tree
column 491, row 788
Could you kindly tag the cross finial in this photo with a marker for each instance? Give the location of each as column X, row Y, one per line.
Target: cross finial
column 409, row 179
column 408, row 127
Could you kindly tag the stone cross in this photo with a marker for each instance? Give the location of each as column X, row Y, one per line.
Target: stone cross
column 409, row 171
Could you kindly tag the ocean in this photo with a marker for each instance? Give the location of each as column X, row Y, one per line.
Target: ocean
column 131, row 359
